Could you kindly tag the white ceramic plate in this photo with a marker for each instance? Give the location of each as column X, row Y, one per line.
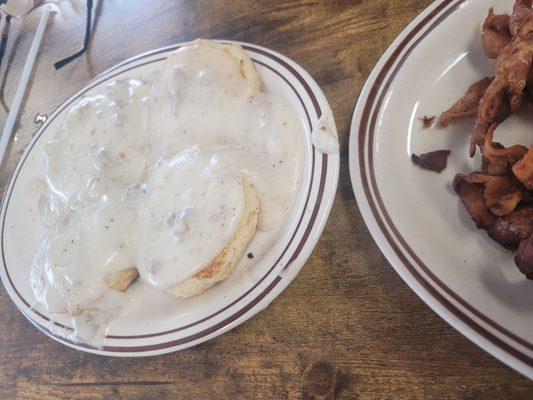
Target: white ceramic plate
column 415, row 217
column 254, row 283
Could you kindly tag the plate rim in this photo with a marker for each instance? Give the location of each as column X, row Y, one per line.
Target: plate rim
column 379, row 226
column 321, row 208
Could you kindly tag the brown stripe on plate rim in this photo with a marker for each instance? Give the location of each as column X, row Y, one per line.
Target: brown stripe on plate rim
column 318, row 110
column 324, row 155
column 361, row 141
column 299, row 247
column 160, row 346
column 289, row 67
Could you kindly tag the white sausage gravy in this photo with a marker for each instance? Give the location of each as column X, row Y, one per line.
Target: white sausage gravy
column 147, row 172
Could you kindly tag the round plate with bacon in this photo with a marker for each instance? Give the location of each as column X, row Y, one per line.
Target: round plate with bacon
column 441, row 162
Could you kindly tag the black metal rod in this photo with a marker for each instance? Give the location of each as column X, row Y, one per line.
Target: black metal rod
column 65, row 61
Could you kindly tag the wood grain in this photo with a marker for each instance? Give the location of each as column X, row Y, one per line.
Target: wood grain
column 347, row 327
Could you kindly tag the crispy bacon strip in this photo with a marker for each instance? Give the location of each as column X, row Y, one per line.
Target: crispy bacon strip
column 513, row 64
column 521, row 23
column 472, row 197
column 467, row 105
column 511, row 229
column 500, row 194
column 497, row 159
column 508, row 230
column 524, row 258
column 494, row 107
column 434, row 160
column 512, row 154
column 496, row 33
column 523, row 169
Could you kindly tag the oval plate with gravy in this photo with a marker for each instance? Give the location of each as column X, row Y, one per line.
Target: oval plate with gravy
column 266, row 268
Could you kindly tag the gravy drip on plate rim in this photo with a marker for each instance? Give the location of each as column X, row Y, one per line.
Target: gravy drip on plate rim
column 324, row 135
column 147, row 172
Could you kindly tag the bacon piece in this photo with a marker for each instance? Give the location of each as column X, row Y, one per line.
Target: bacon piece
column 508, row 230
column 511, row 229
column 496, row 33
column 505, row 94
column 521, row 23
column 528, row 93
column 427, row 122
column 501, row 195
column 494, row 107
column 472, row 197
column 524, row 258
column 434, row 160
column 523, row 169
column 497, row 159
column 466, row 106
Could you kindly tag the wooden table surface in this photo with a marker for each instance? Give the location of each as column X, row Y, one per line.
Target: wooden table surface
column 347, row 327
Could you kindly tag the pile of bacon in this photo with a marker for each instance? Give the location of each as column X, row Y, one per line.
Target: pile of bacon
column 499, row 197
